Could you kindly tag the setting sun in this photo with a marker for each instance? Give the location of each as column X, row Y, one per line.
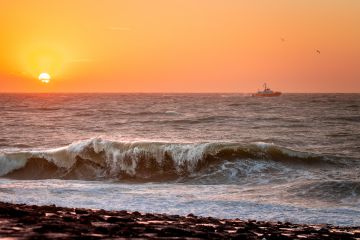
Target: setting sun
column 44, row 77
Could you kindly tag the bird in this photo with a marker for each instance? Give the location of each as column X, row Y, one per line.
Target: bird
column 318, row 51
column 282, row 39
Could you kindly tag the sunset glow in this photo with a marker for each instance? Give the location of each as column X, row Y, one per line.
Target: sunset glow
column 180, row 46
column 44, row 77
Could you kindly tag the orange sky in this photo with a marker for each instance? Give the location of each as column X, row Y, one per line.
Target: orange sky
column 180, row 45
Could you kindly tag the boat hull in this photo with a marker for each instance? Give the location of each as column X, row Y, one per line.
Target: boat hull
column 274, row 94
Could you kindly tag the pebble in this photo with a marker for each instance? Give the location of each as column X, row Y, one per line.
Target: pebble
column 20, row 221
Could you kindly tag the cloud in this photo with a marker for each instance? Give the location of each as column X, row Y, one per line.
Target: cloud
column 112, row 28
column 81, row 60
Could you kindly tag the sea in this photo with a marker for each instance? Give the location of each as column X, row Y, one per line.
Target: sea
column 290, row 158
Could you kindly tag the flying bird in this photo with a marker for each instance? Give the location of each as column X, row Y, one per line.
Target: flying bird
column 318, row 51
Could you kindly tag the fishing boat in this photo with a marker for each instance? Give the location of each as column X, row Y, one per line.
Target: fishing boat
column 267, row 92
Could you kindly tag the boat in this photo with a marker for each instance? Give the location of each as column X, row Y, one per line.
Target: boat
column 267, row 92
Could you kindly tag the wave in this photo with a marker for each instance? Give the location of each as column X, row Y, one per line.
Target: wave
column 199, row 120
column 329, row 190
column 355, row 118
column 172, row 112
column 353, row 106
column 98, row 158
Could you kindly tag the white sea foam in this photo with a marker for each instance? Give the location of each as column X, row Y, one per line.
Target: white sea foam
column 12, row 162
column 116, row 159
column 172, row 113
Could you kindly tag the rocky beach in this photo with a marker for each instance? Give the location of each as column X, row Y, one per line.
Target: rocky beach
column 20, row 221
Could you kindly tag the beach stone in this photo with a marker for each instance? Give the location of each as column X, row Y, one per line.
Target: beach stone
column 119, row 219
column 80, row 211
column 20, row 221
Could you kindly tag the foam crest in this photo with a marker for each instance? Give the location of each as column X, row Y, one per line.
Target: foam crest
column 9, row 163
column 101, row 158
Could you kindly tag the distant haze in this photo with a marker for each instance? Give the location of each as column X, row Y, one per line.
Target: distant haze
column 180, row 45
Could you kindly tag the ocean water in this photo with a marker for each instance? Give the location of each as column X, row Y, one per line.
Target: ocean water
column 290, row 158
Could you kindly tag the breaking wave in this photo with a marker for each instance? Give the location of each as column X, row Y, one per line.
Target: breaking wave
column 142, row 161
column 329, row 190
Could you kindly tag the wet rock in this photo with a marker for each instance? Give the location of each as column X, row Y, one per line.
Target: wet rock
column 136, row 213
column 119, row 219
column 171, row 231
column 80, row 211
column 51, row 222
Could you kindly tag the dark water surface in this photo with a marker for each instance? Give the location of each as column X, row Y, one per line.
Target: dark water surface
column 294, row 157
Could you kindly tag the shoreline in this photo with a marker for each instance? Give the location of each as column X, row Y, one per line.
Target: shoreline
column 21, row 221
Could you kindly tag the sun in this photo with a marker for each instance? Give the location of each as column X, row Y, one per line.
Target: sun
column 44, row 77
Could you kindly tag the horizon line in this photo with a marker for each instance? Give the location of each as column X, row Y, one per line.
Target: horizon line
column 171, row 92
